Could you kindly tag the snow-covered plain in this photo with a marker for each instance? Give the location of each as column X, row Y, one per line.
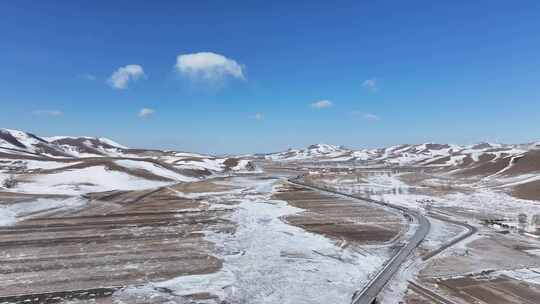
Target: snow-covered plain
column 478, row 201
column 204, row 163
column 529, row 275
column 26, row 164
column 79, row 181
column 10, row 214
column 268, row 261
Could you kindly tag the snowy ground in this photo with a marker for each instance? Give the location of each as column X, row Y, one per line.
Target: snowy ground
column 10, row 214
column 389, row 188
column 269, row 261
column 439, row 233
column 154, row 169
column 477, row 201
column 78, row 181
column 266, row 260
column 529, row 275
column 35, row 164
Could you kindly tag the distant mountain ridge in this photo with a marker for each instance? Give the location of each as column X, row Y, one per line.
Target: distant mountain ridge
column 311, row 152
column 426, row 154
column 15, row 141
column 514, row 167
column 87, row 146
column 21, row 143
column 69, row 165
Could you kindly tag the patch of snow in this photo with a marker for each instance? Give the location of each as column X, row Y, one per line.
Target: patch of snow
column 314, row 151
column 91, row 179
column 440, row 232
column 24, row 138
column 38, row 164
column 112, row 143
column 493, row 201
column 395, row 290
column 525, row 275
column 268, row 261
column 215, row 165
column 516, row 180
column 154, row 169
column 10, row 214
column 533, row 252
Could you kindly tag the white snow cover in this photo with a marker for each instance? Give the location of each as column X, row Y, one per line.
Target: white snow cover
column 481, row 201
column 188, row 154
column 70, row 150
column 209, row 163
column 33, row 145
column 3, row 176
column 313, row 151
column 242, row 164
column 205, row 163
column 91, row 179
column 35, row 164
column 112, row 143
column 507, row 182
column 440, row 232
column 101, row 139
column 402, row 155
column 154, row 168
column 529, row 275
column 10, row 214
column 104, row 150
column 22, row 137
column 269, row 261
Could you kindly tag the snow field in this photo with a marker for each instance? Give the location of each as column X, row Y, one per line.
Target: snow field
column 268, row 261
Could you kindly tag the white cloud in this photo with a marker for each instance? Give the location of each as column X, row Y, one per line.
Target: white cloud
column 370, row 84
column 121, row 77
column 321, row 104
column 50, row 113
column 258, row 116
column 208, row 67
column 371, row 117
column 366, row 116
column 146, row 113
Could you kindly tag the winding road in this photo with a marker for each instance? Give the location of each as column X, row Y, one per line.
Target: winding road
column 369, row 293
column 470, row 231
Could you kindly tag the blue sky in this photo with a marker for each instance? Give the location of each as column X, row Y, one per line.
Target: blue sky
column 383, row 72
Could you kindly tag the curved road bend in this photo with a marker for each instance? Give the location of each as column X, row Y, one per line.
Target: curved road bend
column 470, row 231
column 369, row 293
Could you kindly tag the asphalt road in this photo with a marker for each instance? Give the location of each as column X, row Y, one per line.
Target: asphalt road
column 470, row 231
column 369, row 293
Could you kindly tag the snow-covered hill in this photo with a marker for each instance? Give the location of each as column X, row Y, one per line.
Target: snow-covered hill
column 318, row 151
column 511, row 168
column 427, row 154
column 70, row 165
column 87, row 146
column 23, row 143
